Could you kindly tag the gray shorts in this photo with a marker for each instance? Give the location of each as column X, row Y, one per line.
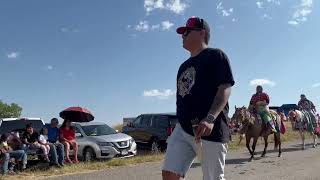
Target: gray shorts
column 181, row 153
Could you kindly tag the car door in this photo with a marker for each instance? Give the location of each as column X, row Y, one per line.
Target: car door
column 134, row 130
column 146, row 128
column 161, row 127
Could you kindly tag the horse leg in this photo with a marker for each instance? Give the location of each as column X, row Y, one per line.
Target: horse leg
column 254, row 147
column 248, row 144
column 241, row 136
column 302, row 138
column 265, row 146
column 276, row 143
column 278, row 137
column 314, row 140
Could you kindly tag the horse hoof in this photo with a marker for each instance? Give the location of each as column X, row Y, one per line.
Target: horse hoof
column 279, row 155
column 263, row 155
column 314, row 146
column 251, row 159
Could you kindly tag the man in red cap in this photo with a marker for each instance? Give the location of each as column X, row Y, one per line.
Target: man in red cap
column 204, row 84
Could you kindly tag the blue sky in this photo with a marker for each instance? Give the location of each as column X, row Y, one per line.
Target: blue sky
column 119, row 58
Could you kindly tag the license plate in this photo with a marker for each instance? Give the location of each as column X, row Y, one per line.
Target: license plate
column 124, row 152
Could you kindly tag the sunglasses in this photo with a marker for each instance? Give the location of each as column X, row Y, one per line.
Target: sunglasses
column 186, row 33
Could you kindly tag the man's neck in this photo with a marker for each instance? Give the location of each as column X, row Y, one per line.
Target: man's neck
column 198, row 50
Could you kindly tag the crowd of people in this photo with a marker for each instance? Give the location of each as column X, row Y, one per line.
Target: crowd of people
column 54, row 142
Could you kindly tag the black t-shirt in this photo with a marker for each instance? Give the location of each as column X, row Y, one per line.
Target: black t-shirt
column 197, row 84
column 31, row 138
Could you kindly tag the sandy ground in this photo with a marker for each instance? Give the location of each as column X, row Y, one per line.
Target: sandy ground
column 294, row 164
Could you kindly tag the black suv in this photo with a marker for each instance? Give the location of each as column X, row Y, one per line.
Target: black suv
column 151, row 130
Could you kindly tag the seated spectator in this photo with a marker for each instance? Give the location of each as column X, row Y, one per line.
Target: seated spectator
column 30, row 138
column 56, row 148
column 68, row 138
column 8, row 153
column 43, row 141
column 15, row 142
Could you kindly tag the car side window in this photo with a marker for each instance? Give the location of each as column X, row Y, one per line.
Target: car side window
column 162, row 121
column 146, row 121
column 137, row 121
column 77, row 131
column 173, row 120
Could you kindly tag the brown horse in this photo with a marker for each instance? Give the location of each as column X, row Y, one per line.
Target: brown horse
column 253, row 129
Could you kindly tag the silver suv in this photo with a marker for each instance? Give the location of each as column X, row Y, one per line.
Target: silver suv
column 99, row 141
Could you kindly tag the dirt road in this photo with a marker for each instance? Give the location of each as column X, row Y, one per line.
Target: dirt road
column 295, row 164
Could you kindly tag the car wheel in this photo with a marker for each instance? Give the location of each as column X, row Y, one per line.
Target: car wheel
column 155, row 146
column 89, row 155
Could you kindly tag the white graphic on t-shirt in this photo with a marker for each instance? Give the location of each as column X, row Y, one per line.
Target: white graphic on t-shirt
column 186, row 81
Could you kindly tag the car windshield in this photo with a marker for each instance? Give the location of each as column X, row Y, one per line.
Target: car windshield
column 98, row 130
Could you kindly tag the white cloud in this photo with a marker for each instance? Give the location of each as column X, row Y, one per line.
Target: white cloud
column 150, row 5
column 260, row 4
column 49, row 67
column 303, row 10
column 143, row 26
column 256, row 82
column 159, row 94
column 316, row 85
column 166, row 25
column 13, row 55
column 223, row 11
column 68, row 30
column 294, row 23
column 266, row 16
column 175, row 6
column 277, row 2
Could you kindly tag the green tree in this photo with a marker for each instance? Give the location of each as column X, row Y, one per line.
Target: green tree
column 12, row 110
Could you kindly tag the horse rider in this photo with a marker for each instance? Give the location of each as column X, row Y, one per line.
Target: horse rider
column 307, row 107
column 259, row 106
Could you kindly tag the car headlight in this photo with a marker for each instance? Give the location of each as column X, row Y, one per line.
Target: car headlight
column 104, row 144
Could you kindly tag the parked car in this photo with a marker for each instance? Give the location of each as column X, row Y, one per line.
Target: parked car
column 8, row 125
column 99, row 141
column 152, row 130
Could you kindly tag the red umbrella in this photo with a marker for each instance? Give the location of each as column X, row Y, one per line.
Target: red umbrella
column 77, row 114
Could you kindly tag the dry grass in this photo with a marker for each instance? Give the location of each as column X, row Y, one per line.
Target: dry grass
column 39, row 172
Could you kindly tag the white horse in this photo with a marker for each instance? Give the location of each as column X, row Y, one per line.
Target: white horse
column 303, row 122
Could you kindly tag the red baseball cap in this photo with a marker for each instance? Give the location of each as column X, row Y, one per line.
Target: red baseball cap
column 194, row 23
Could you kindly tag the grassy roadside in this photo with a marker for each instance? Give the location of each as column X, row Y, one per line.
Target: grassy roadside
column 44, row 172
column 38, row 172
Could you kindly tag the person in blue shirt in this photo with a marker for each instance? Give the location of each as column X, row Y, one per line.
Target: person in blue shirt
column 56, row 148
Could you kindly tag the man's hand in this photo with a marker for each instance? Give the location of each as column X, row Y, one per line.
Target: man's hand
column 204, row 129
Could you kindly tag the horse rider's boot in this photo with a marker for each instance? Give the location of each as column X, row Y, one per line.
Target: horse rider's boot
column 273, row 129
